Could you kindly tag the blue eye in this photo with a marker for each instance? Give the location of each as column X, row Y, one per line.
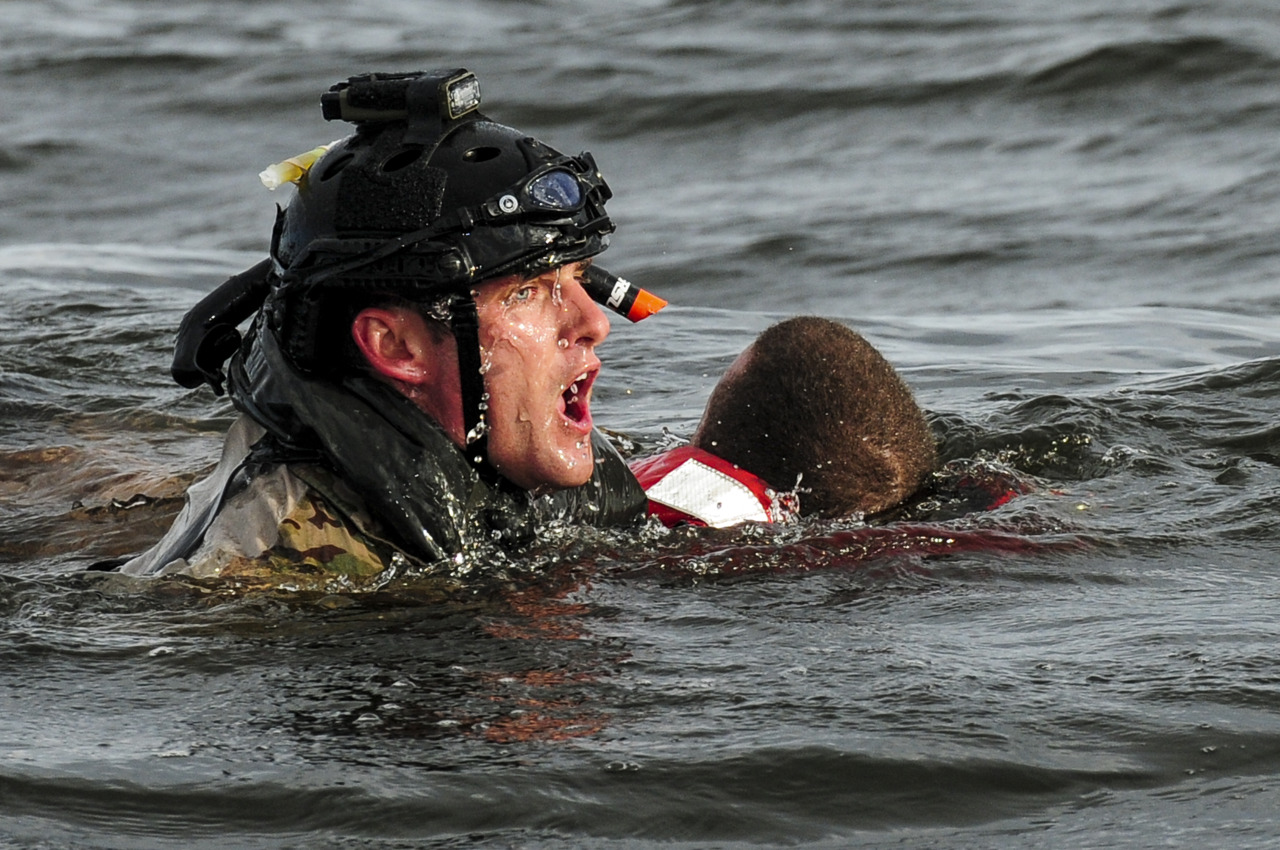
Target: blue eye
column 556, row 190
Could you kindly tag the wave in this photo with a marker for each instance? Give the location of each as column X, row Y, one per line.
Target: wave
column 783, row 787
column 1175, row 62
column 52, row 265
column 86, row 63
column 740, row 95
column 766, row 795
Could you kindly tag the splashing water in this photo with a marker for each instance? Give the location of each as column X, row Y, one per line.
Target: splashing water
column 670, row 440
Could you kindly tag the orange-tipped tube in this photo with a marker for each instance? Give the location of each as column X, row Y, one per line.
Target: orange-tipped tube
column 620, row 295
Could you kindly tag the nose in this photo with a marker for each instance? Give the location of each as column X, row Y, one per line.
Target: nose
column 585, row 322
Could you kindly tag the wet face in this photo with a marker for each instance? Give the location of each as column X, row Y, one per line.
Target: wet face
column 538, row 339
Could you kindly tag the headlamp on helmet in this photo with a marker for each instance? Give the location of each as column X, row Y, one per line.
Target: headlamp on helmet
column 391, row 97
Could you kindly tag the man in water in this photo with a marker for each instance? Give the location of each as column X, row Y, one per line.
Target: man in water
column 417, row 376
column 809, row 418
column 416, row 381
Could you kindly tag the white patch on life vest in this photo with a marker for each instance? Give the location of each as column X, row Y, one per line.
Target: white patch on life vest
column 708, row 494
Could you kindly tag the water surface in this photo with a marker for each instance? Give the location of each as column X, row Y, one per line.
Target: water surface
column 1057, row 219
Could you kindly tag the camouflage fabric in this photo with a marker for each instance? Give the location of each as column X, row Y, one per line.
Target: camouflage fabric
column 274, row 525
column 315, row 549
column 271, row 516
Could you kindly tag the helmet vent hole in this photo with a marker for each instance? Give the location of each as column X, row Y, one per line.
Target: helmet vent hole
column 332, row 169
column 483, row 154
column 402, row 158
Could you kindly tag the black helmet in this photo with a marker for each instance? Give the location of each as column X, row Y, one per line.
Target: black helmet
column 425, row 200
column 428, row 198
column 466, row 198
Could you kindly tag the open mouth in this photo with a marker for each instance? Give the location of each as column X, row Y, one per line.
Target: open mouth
column 577, row 400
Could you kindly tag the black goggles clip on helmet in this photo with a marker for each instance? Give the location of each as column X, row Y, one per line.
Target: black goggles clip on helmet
column 560, row 187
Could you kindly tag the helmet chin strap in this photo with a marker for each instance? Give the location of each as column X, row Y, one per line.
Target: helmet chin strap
column 465, row 323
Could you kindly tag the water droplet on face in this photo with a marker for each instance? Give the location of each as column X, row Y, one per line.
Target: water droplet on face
column 557, row 298
column 562, row 342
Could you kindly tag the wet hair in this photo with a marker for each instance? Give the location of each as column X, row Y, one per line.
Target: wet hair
column 341, row 356
column 811, row 397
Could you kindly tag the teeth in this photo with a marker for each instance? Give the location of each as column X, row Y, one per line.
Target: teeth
column 573, row 388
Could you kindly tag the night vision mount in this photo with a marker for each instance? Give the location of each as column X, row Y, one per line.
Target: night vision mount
column 424, row 99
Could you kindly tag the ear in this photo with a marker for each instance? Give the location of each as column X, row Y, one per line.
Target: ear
column 397, row 344
column 420, row 361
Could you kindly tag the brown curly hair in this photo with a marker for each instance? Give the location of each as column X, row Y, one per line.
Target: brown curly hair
column 811, row 397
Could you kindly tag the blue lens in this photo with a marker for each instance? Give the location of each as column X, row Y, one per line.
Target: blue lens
column 556, row 190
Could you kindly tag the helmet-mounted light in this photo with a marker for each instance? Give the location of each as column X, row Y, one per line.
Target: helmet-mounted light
column 461, row 95
column 399, row 97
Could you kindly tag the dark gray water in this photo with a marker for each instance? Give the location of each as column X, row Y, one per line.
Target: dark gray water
column 1058, row 219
